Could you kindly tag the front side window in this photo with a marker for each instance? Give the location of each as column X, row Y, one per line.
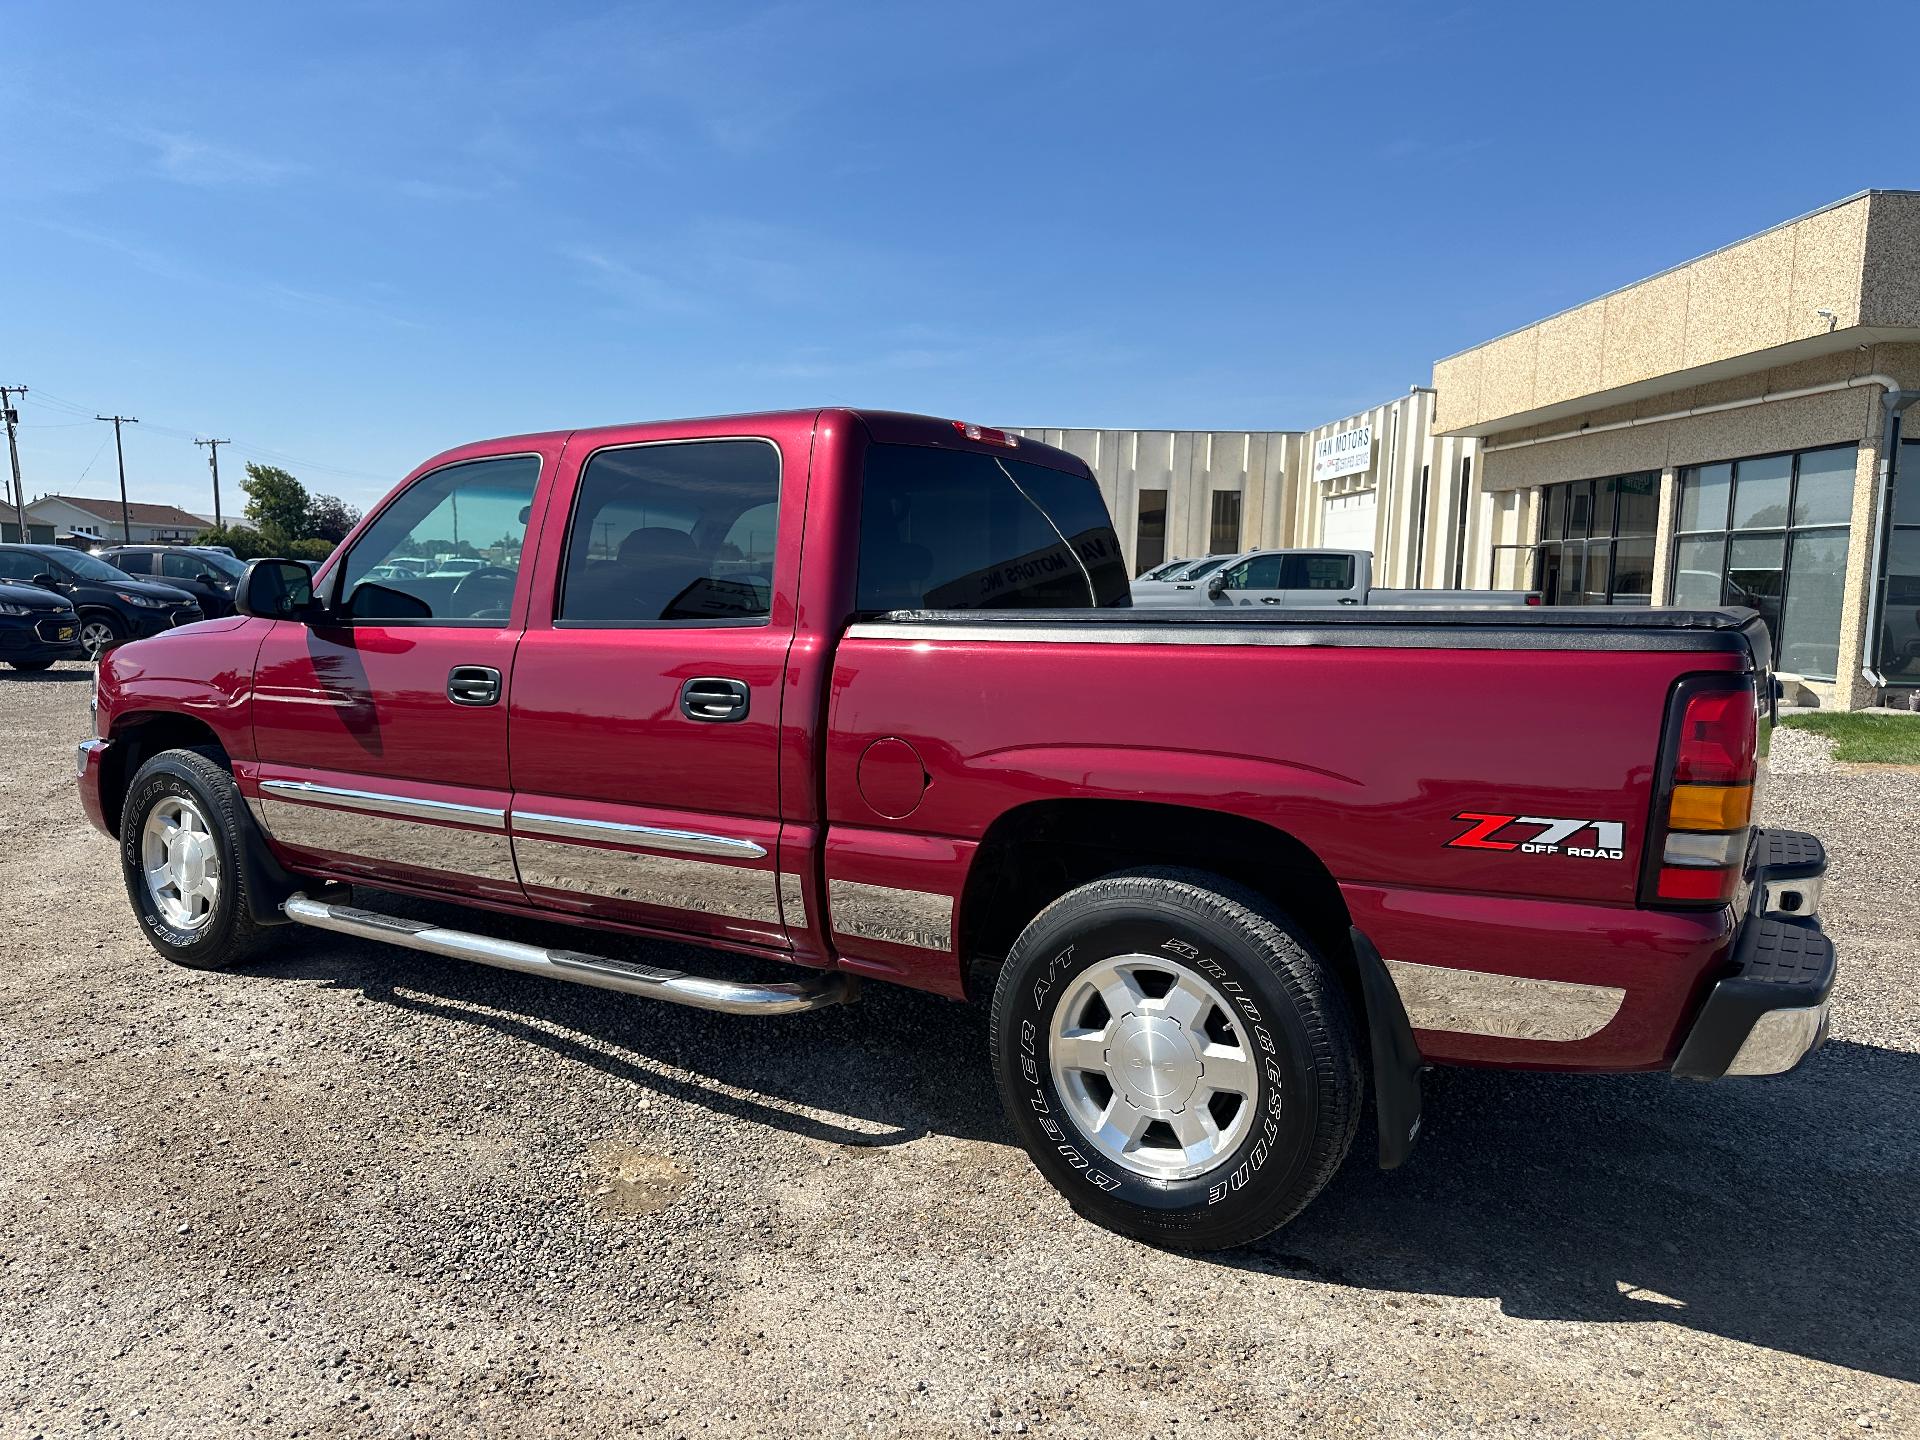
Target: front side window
column 134, row 562
column 1771, row 534
column 1257, row 572
column 952, row 530
column 471, row 520
column 185, row 567
column 680, row 533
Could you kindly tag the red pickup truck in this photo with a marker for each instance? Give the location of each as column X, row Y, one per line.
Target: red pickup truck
column 862, row 692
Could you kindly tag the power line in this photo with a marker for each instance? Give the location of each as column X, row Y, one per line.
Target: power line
column 126, row 520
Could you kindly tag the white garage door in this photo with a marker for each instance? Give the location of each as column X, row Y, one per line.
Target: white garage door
column 1346, row 521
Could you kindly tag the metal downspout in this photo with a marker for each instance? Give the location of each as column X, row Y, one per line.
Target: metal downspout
column 1895, row 403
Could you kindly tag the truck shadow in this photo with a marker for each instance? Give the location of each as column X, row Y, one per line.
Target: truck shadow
column 1778, row 1213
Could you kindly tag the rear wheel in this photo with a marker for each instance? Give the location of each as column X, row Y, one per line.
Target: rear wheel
column 1176, row 1058
column 180, row 833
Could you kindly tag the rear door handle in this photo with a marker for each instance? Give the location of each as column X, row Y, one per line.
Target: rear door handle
column 1273, row 600
column 715, row 699
column 473, row 685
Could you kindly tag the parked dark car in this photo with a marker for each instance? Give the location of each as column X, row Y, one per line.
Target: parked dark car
column 207, row 575
column 112, row 605
column 37, row 627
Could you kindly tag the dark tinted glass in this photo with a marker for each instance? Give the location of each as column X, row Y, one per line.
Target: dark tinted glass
column 21, row 565
column 1317, row 572
column 1554, row 524
column 1150, row 541
column 1224, row 530
column 1579, row 509
column 180, row 566
column 1074, row 505
column 947, row 530
column 665, row 533
column 469, row 520
column 1639, row 512
column 1906, row 485
column 134, row 562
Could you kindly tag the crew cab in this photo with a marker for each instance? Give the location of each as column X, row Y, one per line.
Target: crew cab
column 862, row 693
column 1302, row 578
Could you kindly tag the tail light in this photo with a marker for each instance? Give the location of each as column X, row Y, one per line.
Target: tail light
column 1703, row 803
column 987, row 436
column 1533, row 597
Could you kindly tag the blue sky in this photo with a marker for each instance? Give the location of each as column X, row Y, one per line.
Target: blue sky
column 349, row 236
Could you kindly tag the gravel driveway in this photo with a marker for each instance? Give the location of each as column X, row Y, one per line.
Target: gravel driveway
column 359, row 1191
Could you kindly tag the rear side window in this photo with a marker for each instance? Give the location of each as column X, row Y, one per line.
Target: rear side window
column 1317, row 572
column 134, row 562
column 679, row 533
column 948, row 530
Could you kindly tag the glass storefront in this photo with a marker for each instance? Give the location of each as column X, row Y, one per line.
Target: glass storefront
column 1596, row 541
column 1771, row 533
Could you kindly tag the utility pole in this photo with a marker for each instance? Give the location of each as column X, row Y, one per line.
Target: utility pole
column 213, row 460
column 7, row 392
column 126, row 521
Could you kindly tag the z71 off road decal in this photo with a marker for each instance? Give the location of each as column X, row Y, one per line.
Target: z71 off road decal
column 1541, row 835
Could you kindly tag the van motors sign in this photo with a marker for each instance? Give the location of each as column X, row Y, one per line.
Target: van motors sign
column 1348, row 453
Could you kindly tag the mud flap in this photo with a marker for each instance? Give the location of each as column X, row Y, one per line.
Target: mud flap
column 1396, row 1059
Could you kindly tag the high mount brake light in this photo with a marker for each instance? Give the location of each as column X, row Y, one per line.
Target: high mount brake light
column 985, row 435
column 1703, row 808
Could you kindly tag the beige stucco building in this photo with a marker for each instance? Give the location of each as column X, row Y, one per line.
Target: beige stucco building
column 1724, row 432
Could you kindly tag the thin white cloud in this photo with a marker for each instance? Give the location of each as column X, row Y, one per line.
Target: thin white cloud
column 190, row 160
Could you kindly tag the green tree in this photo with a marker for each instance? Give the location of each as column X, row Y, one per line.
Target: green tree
column 276, row 504
column 329, row 518
column 245, row 542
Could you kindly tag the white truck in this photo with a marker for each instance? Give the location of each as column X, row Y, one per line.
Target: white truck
column 1303, row 578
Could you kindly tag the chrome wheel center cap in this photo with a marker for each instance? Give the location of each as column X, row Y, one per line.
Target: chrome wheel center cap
column 1152, row 1063
column 187, row 860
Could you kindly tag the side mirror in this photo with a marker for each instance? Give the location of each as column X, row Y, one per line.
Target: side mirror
column 276, row 590
column 46, row 581
column 1216, row 586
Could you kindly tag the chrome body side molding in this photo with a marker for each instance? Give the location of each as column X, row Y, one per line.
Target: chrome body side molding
column 380, row 803
column 900, row 917
column 389, row 838
column 730, row 996
column 1508, row 1007
column 652, row 837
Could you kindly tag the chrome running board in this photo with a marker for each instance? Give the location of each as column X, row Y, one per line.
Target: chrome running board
column 731, row 996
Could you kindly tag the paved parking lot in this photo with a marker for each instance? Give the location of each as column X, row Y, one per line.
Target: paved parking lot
column 358, row 1191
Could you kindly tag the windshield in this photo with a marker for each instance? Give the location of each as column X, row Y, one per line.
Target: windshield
column 1205, row 567
column 224, row 564
column 87, row 567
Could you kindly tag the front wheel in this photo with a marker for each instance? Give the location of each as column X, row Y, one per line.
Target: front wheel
column 1177, row 1060
column 180, row 833
column 98, row 632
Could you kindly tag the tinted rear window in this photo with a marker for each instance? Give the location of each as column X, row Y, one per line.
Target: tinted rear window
column 949, row 530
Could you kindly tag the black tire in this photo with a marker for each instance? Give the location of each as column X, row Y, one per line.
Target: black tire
column 1286, row 1009
column 116, row 632
column 31, row 667
column 228, row 934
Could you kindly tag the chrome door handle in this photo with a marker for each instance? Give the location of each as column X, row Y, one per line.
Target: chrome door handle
column 715, row 699
column 473, row 685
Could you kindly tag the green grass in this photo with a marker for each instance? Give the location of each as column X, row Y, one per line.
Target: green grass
column 1866, row 739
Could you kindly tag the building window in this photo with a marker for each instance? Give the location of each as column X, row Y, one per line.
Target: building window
column 1460, row 523
column 1150, row 537
column 1223, row 536
column 1596, row 541
column 1899, row 642
column 1771, row 534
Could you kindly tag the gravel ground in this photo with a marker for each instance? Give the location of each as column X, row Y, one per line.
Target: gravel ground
column 358, row 1191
